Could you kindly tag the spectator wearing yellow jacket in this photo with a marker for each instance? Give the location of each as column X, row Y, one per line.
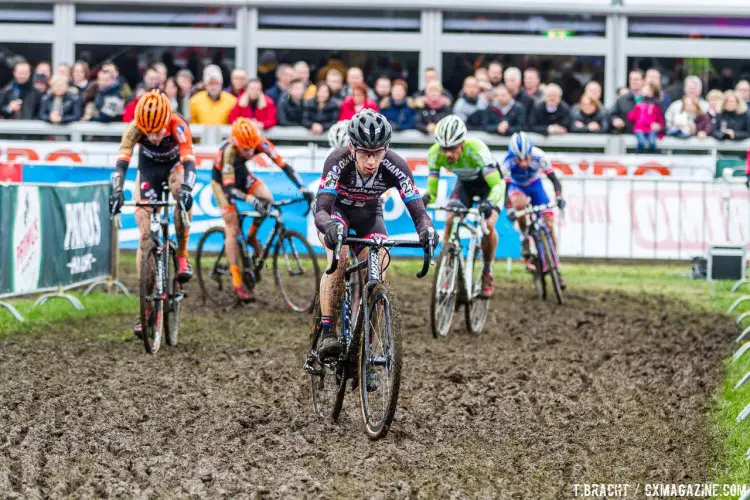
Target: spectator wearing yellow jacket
column 212, row 105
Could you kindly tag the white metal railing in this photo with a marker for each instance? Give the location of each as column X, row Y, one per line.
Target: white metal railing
column 213, row 135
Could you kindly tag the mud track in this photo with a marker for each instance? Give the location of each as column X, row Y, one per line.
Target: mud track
column 609, row 388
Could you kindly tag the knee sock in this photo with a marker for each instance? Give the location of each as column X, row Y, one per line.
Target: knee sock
column 236, row 276
column 325, row 322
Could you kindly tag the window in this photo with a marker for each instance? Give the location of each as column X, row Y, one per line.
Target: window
column 553, row 26
column 689, row 27
column 373, row 64
column 572, row 73
column 721, row 74
column 339, row 19
column 154, row 15
column 26, row 13
column 32, row 52
column 132, row 61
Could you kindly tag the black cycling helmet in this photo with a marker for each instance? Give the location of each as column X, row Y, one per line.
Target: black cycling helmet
column 370, row 130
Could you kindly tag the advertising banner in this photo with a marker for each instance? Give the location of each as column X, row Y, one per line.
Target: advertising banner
column 207, row 214
column 53, row 235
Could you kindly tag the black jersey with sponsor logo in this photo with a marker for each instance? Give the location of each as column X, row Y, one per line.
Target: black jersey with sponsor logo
column 342, row 184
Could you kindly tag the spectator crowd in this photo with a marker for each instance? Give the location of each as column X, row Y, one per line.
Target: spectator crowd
column 494, row 99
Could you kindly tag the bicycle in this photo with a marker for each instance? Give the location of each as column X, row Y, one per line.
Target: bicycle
column 543, row 252
column 462, row 265
column 370, row 337
column 298, row 257
column 161, row 292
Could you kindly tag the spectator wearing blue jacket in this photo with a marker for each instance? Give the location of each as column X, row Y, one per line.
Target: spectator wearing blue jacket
column 398, row 108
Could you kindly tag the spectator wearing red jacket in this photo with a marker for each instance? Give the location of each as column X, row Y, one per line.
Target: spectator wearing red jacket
column 356, row 102
column 255, row 105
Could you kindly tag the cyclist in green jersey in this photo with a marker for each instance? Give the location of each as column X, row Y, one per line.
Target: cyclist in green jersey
column 478, row 176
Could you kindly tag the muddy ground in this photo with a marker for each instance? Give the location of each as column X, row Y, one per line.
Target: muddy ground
column 609, row 388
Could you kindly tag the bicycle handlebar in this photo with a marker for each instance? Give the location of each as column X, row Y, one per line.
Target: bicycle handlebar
column 461, row 210
column 383, row 243
column 536, row 209
column 150, row 203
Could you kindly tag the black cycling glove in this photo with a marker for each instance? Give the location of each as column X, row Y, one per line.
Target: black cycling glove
column 116, row 200
column 186, row 197
column 427, row 236
column 485, row 207
column 333, row 231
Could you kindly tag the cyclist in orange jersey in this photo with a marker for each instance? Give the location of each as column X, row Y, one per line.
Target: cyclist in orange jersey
column 165, row 155
column 233, row 181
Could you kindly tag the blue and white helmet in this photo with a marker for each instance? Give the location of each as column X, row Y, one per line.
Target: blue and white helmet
column 338, row 135
column 520, row 145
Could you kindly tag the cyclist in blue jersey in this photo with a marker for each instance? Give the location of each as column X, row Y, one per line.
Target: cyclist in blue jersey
column 522, row 169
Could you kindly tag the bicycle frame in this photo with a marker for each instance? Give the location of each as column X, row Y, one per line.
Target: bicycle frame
column 535, row 225
column 476, row 228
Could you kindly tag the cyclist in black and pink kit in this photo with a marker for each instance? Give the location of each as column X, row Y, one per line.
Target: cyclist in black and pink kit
column 354, row 178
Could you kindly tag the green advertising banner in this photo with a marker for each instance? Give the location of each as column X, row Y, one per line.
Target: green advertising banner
column 57, row 235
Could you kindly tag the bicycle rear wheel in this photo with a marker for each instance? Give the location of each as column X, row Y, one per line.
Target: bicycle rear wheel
column 152, row 307
column 380, row 357
column 174, row 294
column 443, row 303
column 212, row 265
column 296, row 269
column 475, row 311
column 552, row 268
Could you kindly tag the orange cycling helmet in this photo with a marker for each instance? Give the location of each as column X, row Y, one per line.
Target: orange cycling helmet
column 153, row 111
column 245, row 133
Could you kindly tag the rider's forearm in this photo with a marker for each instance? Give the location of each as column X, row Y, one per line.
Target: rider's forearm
column 555, row 182
column 293, row 175
column 419, row 214
column 118, row 179
column 432, row 185
column 497, row 187
column 323, row 207
column 190, row 173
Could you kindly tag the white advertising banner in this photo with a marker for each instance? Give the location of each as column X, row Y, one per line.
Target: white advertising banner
column 644, row 219
column 310, row 159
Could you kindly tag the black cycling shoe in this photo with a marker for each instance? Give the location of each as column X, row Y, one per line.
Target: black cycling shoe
column 138, row 329
column 563, row 286
column 329, row 347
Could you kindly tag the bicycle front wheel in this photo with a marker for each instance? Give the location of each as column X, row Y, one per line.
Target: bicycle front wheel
column 552, row 268
column 476, row 308
column 379, row 364
column 212, row 266
column 443, row 303
column 296, row 269
column 174, row 294
column 538, row 275
column 152, row 306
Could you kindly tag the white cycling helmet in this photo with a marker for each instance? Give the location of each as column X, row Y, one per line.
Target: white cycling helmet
column 450, row 131
column 520, row 145
column 338, row 136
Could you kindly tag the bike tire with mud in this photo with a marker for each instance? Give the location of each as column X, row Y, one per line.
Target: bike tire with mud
column 297, row 304
column 447, row 268
column 552, row 268
column 215, row 271
column 390, row 358
column 475, row 310
column 151, row 311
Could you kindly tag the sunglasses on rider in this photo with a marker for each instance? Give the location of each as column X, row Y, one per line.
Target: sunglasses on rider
column 365, row 154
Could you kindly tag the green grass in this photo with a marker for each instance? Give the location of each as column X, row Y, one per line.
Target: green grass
column 57, row 310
